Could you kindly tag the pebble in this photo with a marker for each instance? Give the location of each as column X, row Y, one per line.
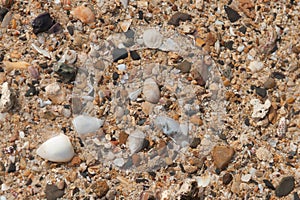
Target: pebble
column 84, row 14
column 264, row 154
column 3, row 12
column 195, row 142
column 278, row 75
column 222, row 156
column 7, row 99
column 185, row 66
column 100, row 188
column 260, row 110
column 54, row 93
column 11, row 167
column 42, row 23
column 270, row 83
column 246, row 177
column 232, row 15
column 152, row 39
column 261, row 92
column 256, row 66
column 123, row 137
column 61, row 185
column 52, row 192
column 227, row 178
column 203, row 181
column 119, row 54
column 286, row 185
column 177, row 17
column 136, row 159
column 151, row 91
column 134, row 55
column 136, row 141
column 85, row 124
column 269, row 184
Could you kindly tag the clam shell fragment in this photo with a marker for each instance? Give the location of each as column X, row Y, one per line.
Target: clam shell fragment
column 56, row 149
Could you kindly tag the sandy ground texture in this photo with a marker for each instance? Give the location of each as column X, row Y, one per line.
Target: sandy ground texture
column 168, row 99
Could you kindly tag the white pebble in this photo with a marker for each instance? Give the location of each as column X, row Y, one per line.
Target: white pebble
column 136, row 141
column 152, row 38
column 260, row 110
column 86, row 124
column 256, row 66
column 151, row 91
column 246, row 177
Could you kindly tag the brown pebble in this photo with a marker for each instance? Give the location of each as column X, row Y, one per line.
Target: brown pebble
column 136, row 159
column 75, row 161
column 190, row 169
column 100, row 188
column 195, row 119
column 177, row 17
column 184, row 67
column 210, row 39
column 270, row 83
column 72, row 176
column 61, row 185
column 222, row 156
column 227, row 178
column 123, row 137
column 84, row 14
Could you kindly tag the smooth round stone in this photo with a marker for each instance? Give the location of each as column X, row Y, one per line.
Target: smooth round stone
column 270, row 83
column 286, row 185
column 151, row 91
column 152, row 38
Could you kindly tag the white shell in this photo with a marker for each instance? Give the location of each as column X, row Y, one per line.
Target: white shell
column 168, row 125
column 136, row 141
column 203, row 181
column 7, row 98
column 56, row 149
column 260, row 110
column 86, row 124
column 152, row 38
column 151, row 91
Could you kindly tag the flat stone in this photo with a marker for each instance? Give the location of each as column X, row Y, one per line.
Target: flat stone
column 261, row 92
column 184, row 67
column 286, row 185
column 232, row 15
column 53, row 193
column 123, row 137
column 177, row 17
column 119, row 54
column 222, row 156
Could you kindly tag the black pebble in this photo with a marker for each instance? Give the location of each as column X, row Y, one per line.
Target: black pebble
column 31, row 91
column 278, row 75
column 177, row 17
column 247, row 121
column 42, row 23
column 243, row 29
column 1, row 56
column 269, row 184
column 229, row 45
column 196, row 141
column 261, row 92
column 11, row 167
column 227, row 178
column 70, row 30
column 3, row 12
column 115, row 76
column 119, row 54
column 286, row 185
column 134, row 55
column 141, row 14
column 232, row 15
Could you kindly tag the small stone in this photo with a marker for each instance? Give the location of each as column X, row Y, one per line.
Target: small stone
column 269, row 184
column 222, row 156
column 295, row 48
column 66, row 73
column 232, row 15
column 3, row 12
column 75, row 161
column 270, row 83
column 7, row 99
column 256, row 66
column 243, row 29
column 227, row 178
column 123, row 137
column 195, row 119
column 61, row 185
column 134, row 55
column 190, row 169
column 278, row 75
column 235, row 187
column 185, row 66
column 229, row 45
column 152, row 38
column 12, row 167
column 260, row 110
column 119, row 54
column 286, row 185
column 54, row 93
column 52, row 192
column 196, row 141
column 264, row 154
column 151, row 91
column 246, row 178
column 177, row 17
column 84, row 14
column 261, row 92
column 136, row 159
column 42, row 23
column 100, row 188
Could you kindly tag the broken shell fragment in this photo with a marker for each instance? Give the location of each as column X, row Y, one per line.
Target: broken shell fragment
column 56, row 149
column 136, row 141
column 86, row 124
column 7, row 98
column 84, row 14
column 260, row 110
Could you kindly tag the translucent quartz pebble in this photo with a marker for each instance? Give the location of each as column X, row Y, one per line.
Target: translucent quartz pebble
column 86, row 124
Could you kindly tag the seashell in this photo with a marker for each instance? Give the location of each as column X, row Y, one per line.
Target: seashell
column 84, row 14
column 260, row 110
column 281, row 129
column 86, row 124
column 151, row 91
column 136, row 141
column 42, row 23
column 203, row 181
column 152, row 38
column 125, row 25
column 56, row 149
column 7, row 99
column 41, row 51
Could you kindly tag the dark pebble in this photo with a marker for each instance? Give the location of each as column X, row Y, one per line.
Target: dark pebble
column 177, row 17
column 247, row 121
column 261, row 92
column 141, row 14
column 32, row 91
column 29, row 181
column 56, row 28
column 134, row 55
column 66, row 73
column 52, row 192
column 129, row 34
column 70, row 30
column 243, row 29
column 75, row 190
column 141, row 180
column 152, row 174
column 227, row 178
column 11, row 168
column 286, row 185
column 232, row 15
column 3, row 12
column 229, row 45
column 119, row 54
column 185, row 66
column 195, row 143
column 1, row 56
column 278, row 75
column 296, row 196
column 269, row 184
column 115, row 76
column 42, row 23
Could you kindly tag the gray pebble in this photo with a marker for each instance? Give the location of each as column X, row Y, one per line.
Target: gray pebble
column 286, row 185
